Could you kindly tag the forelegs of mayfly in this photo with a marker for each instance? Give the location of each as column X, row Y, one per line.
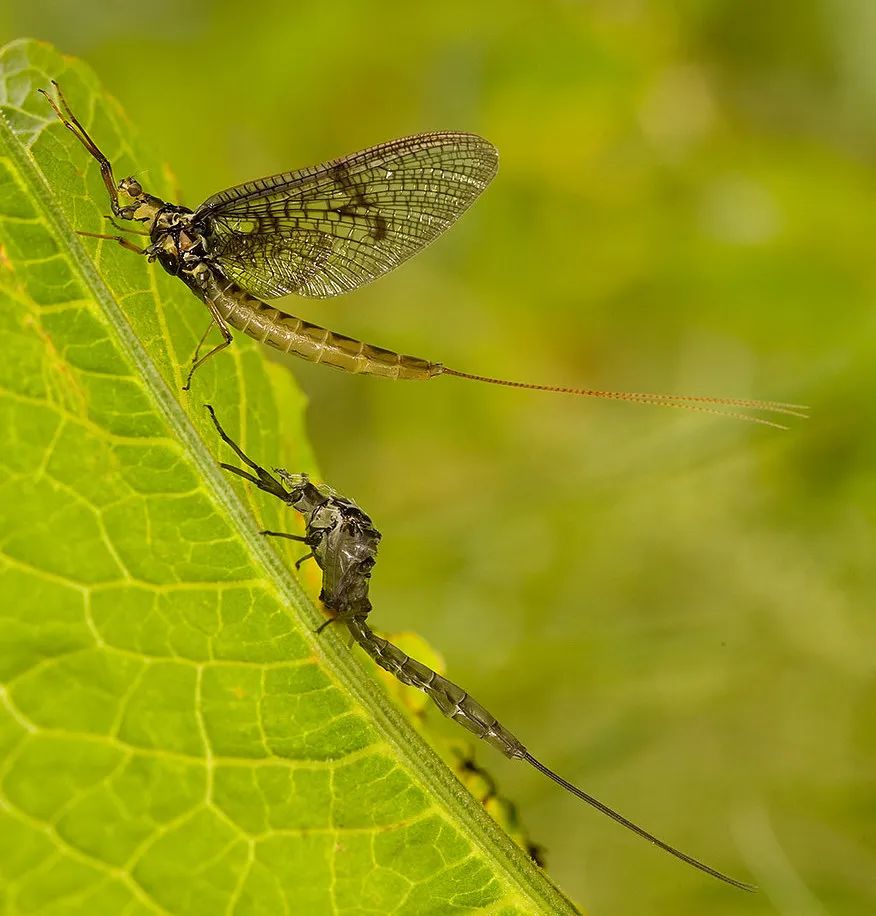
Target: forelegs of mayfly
column 72, row 123
column 125, row 243
column 197, row 362
column 264, row 480
column 351, row 606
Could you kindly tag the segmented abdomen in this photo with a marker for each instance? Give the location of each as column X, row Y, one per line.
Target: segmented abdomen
column 309, row 341
column 451, row 699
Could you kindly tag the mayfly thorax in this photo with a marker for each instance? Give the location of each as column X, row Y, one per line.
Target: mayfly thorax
column 322, row 231
column 343, row 541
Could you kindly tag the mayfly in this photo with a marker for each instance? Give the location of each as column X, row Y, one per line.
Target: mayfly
column 343, row 541
column 322, row 231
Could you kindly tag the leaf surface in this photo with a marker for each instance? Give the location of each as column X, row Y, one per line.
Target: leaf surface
column 173, row 736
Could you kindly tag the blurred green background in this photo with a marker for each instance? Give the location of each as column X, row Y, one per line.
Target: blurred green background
column 674, row 611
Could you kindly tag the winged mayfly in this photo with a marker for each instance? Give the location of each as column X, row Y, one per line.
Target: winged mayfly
column 343, row 541
column 322, row 231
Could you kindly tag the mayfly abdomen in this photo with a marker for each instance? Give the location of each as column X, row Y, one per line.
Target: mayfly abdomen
column 450, row 698
column 328, row 230
column 310, row 341
column 348, row 598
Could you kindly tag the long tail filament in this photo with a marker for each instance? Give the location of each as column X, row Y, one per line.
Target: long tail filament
column 702, row 404
column 639, row 831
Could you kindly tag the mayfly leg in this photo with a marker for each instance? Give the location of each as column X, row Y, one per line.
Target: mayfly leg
column 265, row 239
column 263, row 479
column 125, row 243
column 72, row 123
column 202, row 276
column 345, row 550
column 291, row 537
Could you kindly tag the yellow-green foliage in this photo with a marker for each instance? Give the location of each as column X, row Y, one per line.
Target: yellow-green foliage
column 673, row 611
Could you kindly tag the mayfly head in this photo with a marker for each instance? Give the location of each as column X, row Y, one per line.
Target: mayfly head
column 293, row 481
column 328, row 230
column 144, row 208
column 300, row 489
column 131, row 187
column 128, row 186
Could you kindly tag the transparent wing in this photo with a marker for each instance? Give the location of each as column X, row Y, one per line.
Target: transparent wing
column 329, row 229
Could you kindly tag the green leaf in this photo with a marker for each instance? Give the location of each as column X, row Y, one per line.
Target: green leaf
column 173, row 736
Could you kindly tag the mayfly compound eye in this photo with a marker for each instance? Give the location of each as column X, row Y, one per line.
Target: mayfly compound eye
column 131, row 187
column 330, row 229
